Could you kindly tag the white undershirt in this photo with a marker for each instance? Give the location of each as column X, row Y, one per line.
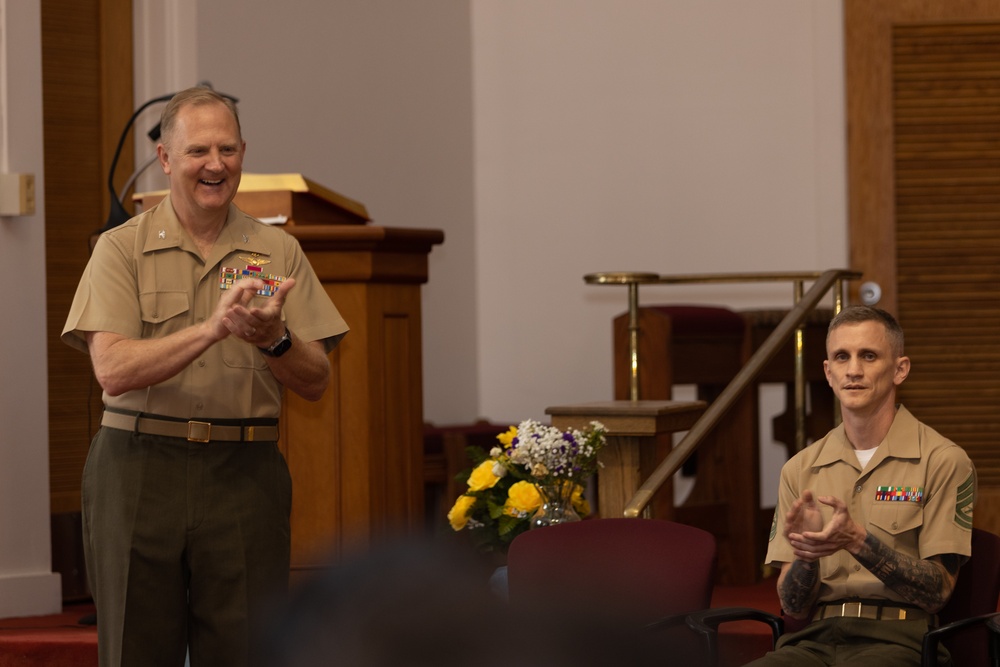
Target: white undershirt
column 864, row 456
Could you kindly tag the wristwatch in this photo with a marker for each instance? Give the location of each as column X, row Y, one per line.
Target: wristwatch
column 278, row 347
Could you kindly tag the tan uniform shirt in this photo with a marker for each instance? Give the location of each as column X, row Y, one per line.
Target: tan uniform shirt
column 146, row 279
column 915, row 495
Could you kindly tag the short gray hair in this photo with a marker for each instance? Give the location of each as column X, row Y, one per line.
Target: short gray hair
column 194, row 96
column 859, row 314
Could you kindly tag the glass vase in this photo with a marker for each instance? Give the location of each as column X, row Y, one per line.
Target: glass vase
column 557, row 504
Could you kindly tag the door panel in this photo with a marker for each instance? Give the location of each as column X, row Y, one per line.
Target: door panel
column 87, row 99
column 923, row 82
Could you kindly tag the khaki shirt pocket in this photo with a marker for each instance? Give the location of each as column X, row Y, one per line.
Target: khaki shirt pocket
column 897, row 524
column 158, row 308
column 239, row 354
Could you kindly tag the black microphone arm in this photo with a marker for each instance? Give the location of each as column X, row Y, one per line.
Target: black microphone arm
column 118, row 214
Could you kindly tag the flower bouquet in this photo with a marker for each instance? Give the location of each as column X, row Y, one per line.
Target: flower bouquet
column 532, row 465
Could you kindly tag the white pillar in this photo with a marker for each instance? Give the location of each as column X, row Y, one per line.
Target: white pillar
column 165, row 56
column 28, row 587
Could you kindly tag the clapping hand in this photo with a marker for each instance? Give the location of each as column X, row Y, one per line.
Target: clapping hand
column 810, row 538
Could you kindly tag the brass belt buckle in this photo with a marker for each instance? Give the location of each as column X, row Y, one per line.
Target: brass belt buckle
column 851, row 609
column 196, row 431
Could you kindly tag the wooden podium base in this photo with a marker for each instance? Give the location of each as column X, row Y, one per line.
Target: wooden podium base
column 634, row 430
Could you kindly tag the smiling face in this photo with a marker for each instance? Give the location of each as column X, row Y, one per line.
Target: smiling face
column 864, row 367
column 203, row 158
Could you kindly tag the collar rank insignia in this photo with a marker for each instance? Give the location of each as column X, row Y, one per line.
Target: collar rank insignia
column 905, row 494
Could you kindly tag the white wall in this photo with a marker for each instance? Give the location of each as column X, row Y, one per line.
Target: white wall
column 547, row 139
column 27, row 584
column 677, row 137
column 550, row 140
column 372, row 98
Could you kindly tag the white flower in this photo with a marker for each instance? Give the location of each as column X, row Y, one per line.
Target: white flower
column 550, row 453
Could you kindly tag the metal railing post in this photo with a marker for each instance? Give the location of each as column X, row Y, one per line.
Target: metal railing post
column 633, row 340
column 800, row 378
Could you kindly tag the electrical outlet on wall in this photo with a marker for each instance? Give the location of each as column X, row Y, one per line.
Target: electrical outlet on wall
column 17, row 194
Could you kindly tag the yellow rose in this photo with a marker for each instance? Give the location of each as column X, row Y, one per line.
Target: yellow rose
column 482, row 477
column 522, row 497
column 508, row 437
column 459, row 514
column 580, row 503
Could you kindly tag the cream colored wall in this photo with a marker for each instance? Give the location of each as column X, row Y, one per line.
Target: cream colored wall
column 27, row 584
column 372, row 98
column 674, row 137
column 689, row 136
column 548, row 140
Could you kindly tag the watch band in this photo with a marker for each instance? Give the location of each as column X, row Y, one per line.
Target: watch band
column 280, row 346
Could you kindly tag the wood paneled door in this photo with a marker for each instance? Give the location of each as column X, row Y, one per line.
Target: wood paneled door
column 923, row 107
column 87, row 99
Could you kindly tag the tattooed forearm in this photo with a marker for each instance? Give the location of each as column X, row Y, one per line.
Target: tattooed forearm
column 797, row 591
column 921, row 582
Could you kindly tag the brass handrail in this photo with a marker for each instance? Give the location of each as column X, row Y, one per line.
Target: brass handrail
column 635, row 278
column 760, row 358
column 624, row 277
column 790, row 325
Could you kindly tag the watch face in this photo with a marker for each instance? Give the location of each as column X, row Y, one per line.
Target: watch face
column 282, row 346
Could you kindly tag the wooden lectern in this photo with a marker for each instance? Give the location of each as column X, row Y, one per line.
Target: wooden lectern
column 356, row 456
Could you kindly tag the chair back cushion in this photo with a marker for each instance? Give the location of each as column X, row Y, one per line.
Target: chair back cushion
column 978, row 585
column 976, row 593
column 646, row 568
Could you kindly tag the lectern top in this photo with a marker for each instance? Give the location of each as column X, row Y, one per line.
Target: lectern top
column 289, row 199
column 299, row 183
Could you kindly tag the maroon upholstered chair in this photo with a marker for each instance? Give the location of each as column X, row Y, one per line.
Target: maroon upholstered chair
column 967, row 624
column 654, row 567
column 962, row 621
column 631, row 573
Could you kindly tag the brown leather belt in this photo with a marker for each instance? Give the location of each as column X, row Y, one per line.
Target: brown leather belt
column 875, row 610
column 194, row 430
